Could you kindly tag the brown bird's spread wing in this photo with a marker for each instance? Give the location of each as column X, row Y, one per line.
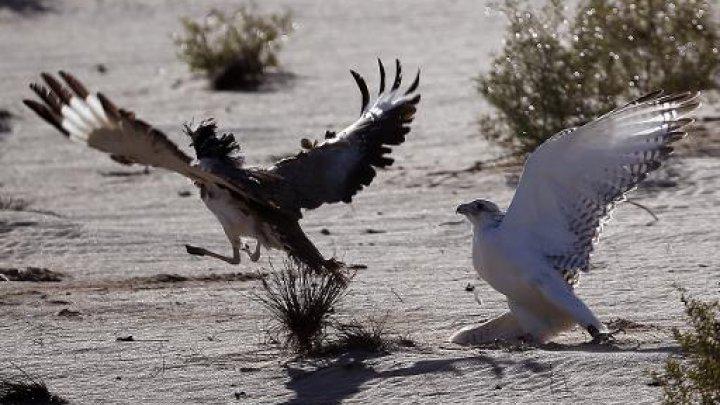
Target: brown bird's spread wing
column 93, row 119
column 336, row 169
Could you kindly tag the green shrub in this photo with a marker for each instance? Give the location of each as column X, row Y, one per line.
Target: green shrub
column 234, row 50
column 554, row 73
column 695, row 378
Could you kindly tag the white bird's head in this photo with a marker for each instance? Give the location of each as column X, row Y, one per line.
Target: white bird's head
column 480, row 212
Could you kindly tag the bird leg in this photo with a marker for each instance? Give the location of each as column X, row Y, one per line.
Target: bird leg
column 198, row 251
column 254, row 256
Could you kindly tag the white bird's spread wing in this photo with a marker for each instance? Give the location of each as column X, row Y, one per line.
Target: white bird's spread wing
column 344, row 163
column 570, row 183
column 93, row 119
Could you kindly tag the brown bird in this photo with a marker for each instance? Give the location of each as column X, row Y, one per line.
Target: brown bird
column 256, row 202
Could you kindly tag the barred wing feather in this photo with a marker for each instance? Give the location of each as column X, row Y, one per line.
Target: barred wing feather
column 571, row 182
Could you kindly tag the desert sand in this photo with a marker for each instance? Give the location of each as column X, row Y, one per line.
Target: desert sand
column 112, row 229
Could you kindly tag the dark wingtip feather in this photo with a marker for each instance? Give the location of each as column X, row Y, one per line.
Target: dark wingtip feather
column 47, row 97
column 415, row 83
column 675, row 136
column 56, row 87
column 74, row 84
column 46, row 114
column 382, row 76
column 363, row 90
column 677, row 97
column 647, row 97
column 108, row 106
column 398, row 75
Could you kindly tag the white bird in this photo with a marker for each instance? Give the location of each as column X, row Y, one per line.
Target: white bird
column 533, row 253
column 261, row 203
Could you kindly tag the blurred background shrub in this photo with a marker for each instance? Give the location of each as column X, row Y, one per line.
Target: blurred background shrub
column 694, row 377
column 234, row 50
column 554, row 72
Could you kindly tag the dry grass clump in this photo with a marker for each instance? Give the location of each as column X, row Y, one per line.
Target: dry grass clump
column 27, row 391
column 301, row 301
column 554, row 73
column 234, row 50
column 34, row 274
column 695, row 377
column 25, row 7
column 371, row 335
column 13, row 204
column 5, row 117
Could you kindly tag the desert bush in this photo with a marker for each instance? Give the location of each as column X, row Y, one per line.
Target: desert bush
column 301, row 301
column 13, row 204
column 27, row 391
column 5, row 117
column 694, row 378
column 554, row 73
column 25, row 7
column 234, row 50
column 371, row 335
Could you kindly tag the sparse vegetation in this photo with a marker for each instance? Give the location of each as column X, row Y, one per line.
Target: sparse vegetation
column 25, row 7
column 13, row 204
column 34, row 274
column 694, row 378
column 234, row 50
column 27, row 391
column 301, row 301
column 5, row 117
column 371, row 335
column 554, row 73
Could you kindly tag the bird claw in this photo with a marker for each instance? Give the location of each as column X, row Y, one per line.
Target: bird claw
column 194, row 250
column 601, row 338
column 254, row 255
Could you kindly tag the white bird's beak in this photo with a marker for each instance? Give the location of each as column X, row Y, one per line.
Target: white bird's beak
column 463, row 209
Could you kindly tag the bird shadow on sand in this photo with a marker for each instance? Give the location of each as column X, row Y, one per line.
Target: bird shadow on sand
column 619, row 347
column 331, row 381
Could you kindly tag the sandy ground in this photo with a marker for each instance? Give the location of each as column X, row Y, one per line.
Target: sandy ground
column 203, row 342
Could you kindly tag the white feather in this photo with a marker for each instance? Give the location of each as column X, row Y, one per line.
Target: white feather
column 76, row 133
column 74, row 118
column 97, row 109
column 84, row 112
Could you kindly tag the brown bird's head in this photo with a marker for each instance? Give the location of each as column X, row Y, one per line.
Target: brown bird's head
column 208, row 144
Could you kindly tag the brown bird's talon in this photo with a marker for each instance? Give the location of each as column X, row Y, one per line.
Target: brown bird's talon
column 601, row 338
column 194, row 250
